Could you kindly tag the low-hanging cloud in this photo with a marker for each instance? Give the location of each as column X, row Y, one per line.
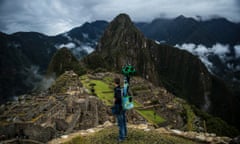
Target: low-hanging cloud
column 68, row 45
column 77, row 50
column 57, row 16
column 36, row 80
column 220, row 50
column 237, row 51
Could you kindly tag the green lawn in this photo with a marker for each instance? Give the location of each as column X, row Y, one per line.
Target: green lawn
column 102, row 90
column 151, row 116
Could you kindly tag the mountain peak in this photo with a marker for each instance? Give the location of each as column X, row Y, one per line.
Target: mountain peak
column 184, row 18
column 121, row 22
column 122, row 18
column 180, row 17
column 121, row 34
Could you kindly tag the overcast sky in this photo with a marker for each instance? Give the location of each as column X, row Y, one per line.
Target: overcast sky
column 56, row 16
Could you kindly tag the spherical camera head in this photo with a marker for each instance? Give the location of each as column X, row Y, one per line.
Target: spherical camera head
column 128, row 70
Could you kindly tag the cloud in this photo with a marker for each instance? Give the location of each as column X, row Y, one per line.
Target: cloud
column 68, row 45
column 201, row 50
column 219, row 50
column 50, row 17
column 237, row 51
column 57, row 16
column 87, row 48
column 77, row 50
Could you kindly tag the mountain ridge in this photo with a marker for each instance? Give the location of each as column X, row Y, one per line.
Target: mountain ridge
column 188, row 30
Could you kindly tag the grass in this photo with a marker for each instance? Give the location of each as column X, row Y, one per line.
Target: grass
column 137, row 104
column 151, row 116
column 102, row 89
column 109, row 136
column 190, row 117
column 108, row 80
column 83, row 77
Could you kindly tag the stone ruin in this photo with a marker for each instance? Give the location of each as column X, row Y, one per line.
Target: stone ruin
column 42, row 117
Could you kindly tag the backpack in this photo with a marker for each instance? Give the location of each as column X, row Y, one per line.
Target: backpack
column 127, row 102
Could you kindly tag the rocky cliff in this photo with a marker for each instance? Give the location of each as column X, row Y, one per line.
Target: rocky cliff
column 179, row 71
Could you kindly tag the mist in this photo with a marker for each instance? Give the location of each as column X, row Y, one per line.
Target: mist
column 225, row 53
column 78, row 49
column 237, row 51
column 37, row 80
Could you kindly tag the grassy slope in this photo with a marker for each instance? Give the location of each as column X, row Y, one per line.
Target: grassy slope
column 102, row 90
column 109, row 136
column 151, row 116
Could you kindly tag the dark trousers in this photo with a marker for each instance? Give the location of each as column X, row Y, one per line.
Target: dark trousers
column 122, row 124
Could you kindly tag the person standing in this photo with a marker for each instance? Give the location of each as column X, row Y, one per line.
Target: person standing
column 120, row 112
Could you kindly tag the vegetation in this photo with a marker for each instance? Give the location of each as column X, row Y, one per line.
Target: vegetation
column 137, row 104
column 190, row 116
column 101, row 89
column 151, row 116
column 216, row 125
column 135, row 136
